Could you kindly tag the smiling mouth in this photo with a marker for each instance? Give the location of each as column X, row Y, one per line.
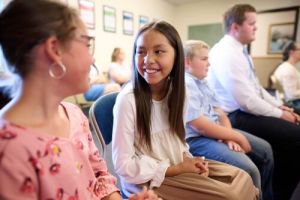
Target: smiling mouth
column 151, row 71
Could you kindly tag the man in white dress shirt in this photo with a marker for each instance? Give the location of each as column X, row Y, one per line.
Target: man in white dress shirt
column 249, row 106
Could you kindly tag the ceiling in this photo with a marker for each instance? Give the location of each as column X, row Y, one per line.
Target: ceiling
column 178, row 2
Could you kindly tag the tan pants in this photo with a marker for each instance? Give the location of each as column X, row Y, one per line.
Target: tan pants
column 224, row 182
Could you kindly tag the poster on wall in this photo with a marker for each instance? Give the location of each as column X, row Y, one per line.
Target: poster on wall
column 143, row 20
column 127, row 23
column 87, row 13
column 109, row 19
column 280, row 36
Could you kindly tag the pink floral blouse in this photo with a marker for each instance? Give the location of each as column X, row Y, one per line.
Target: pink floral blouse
column 35, row 165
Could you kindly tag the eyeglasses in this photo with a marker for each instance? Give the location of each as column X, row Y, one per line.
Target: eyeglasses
column 90, row 42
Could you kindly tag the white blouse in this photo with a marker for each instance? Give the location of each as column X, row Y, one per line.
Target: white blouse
column 134, row 163
column 289, row 77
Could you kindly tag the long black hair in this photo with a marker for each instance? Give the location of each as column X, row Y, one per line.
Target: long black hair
column 176, row 95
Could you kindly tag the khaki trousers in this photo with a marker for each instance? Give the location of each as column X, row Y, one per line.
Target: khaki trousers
column 224, row 182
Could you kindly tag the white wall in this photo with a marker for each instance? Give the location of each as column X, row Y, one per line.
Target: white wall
column 206, row 12
column 259, row 48
column 106, row 41
column 202, row 12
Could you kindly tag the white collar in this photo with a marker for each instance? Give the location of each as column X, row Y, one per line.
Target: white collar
column 233, row 41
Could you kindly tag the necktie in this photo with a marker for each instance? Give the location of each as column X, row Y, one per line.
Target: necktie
column 257, row 84
column 245, row 51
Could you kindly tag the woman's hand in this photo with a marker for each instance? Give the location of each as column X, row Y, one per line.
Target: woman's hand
column 145, row 195
column 189, row 165
column 193, row 165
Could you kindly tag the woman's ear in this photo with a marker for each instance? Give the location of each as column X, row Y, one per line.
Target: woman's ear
column 52, row 49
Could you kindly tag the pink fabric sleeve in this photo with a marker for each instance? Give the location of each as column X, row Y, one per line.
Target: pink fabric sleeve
column 17, row 176
column 106, row 183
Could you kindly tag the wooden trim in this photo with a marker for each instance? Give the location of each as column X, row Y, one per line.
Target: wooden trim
column 279, row 9
column 268, row 57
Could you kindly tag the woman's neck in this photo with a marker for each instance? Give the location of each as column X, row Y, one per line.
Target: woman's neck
column 120, row 61
column 36, row 107
column 159, row 91
column 292, row 61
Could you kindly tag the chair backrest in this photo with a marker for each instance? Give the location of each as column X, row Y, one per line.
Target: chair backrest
column 101, row 117
column 277, row 85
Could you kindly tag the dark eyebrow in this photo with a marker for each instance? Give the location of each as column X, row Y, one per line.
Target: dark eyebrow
column 159, row 45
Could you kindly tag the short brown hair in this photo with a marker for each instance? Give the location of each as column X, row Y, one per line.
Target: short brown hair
column 236, row 14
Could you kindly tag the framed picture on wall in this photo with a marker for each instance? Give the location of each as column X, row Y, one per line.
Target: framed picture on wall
column 143, row 20
column 87, row 13
column 280, row 36
column 109, row 19
column 127, row 23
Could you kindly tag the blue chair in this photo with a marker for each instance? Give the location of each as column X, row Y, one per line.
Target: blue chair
column 101, row 118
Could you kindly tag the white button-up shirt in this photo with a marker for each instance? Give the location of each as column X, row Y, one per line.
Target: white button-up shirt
column 233, row 79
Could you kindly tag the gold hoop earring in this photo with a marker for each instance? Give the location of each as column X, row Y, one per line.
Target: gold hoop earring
column 62, row 68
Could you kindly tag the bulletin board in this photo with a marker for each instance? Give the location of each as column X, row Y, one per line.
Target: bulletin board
column 209, row 33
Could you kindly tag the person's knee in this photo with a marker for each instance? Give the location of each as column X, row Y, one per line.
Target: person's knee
column 268, row 153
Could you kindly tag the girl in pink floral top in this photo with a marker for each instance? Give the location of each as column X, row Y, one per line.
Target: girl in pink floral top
column 46, row 147
column 36, row 165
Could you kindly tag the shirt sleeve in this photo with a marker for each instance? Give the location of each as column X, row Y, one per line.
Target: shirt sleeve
column 17, row 176
column 133, row 166
column 106, row 183
column 214, row 98
column 193, row 100
column 289, row 82
column 269, row 98
column 234, row 76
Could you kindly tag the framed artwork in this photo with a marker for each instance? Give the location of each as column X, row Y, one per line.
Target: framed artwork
column 109, row 19
column 143, row 20
column 127, row 23
column 280, row 35
column 87, row 13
